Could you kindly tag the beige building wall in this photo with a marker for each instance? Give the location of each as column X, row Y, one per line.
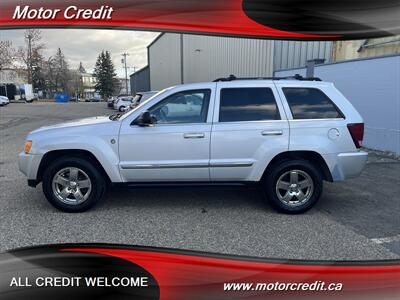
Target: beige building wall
column 13, row 76
column 344, row 50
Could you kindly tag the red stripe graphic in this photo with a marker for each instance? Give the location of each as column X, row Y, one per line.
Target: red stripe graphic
column 182, row 276
column 212, row 17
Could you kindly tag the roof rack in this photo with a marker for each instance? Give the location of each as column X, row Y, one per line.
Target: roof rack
column 295, row 77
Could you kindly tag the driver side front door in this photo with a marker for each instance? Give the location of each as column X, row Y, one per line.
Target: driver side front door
column 176, row 147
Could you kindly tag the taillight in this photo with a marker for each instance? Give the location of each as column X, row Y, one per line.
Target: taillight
column 357, row 133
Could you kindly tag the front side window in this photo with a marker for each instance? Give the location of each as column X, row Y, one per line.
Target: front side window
column 247, row 104
column 310, row 103
column 182, row 107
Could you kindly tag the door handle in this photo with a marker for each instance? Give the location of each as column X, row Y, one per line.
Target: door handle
column 194, row 135
column 272, row 132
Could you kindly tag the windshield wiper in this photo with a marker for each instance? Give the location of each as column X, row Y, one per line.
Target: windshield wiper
column 114, row 117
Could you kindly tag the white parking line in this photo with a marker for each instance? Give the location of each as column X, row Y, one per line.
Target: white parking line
column 389, row 239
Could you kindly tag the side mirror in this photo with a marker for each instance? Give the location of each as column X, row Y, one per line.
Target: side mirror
column 145, row 119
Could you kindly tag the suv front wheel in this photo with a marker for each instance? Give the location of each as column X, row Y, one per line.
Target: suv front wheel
column 293, row 186
column 73, row 184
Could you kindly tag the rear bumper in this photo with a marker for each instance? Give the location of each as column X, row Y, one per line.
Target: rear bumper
column 28, row 164
column 346, row 165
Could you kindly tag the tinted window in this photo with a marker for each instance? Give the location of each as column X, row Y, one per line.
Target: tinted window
column 310, row 103
column 247, row 104
column 126, row 99
column 183, row 107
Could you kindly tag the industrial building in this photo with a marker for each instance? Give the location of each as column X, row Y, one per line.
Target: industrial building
column 185, row 58
column 140, row 80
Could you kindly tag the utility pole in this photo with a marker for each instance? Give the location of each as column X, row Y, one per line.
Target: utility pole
column 30, row 75
column 126, row 71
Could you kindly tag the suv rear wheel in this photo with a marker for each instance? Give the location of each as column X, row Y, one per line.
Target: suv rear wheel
column 73, row 184
column 293, row 186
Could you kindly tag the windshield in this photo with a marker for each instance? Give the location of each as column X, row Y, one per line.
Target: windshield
column 123, row 116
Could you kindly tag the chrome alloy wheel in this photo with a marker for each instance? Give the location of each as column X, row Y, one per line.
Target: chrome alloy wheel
column 294, row 187
column 71, row 186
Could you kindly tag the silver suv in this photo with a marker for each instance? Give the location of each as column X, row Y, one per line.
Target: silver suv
column 285, row 134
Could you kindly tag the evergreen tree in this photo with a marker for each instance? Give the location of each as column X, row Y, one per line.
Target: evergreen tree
column 81, row 68
column 61, row 70
column 105, row 73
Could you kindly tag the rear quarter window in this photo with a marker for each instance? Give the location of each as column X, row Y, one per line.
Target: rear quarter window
column 310, row 103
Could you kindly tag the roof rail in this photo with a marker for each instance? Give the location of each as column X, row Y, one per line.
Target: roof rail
column 295, row 77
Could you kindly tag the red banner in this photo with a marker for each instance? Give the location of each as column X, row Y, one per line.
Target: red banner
column 90, row 271
column 286, row 19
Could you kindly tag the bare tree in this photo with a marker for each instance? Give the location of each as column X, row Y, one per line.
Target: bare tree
column 117, row 86
column 75, row 85
column 31, row 53
column 7, row 53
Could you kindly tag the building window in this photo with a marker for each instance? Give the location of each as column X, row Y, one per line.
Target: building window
column 247, row 104
column 310, row 103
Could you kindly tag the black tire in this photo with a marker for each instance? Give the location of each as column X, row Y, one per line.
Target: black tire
column 98, row 183
column 121, row 108
column 269, row 185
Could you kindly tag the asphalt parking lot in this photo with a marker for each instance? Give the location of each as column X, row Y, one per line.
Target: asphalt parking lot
column 355, row 220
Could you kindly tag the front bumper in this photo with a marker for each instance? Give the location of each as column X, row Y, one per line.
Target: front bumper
column 346, row 165
column 28, row 164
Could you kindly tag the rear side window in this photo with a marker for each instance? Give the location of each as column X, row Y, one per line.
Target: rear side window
column 247, row 104
column 310, row 103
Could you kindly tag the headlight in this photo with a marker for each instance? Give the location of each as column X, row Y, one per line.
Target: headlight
column 28, row 145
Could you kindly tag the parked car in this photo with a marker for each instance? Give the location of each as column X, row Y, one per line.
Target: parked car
column 92, row 99
column 110, row 101
column 285, row 135
column 123, row 102
column 141, row 97
column 4, row 100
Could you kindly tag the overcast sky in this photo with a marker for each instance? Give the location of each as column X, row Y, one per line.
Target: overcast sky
column 85, row 44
